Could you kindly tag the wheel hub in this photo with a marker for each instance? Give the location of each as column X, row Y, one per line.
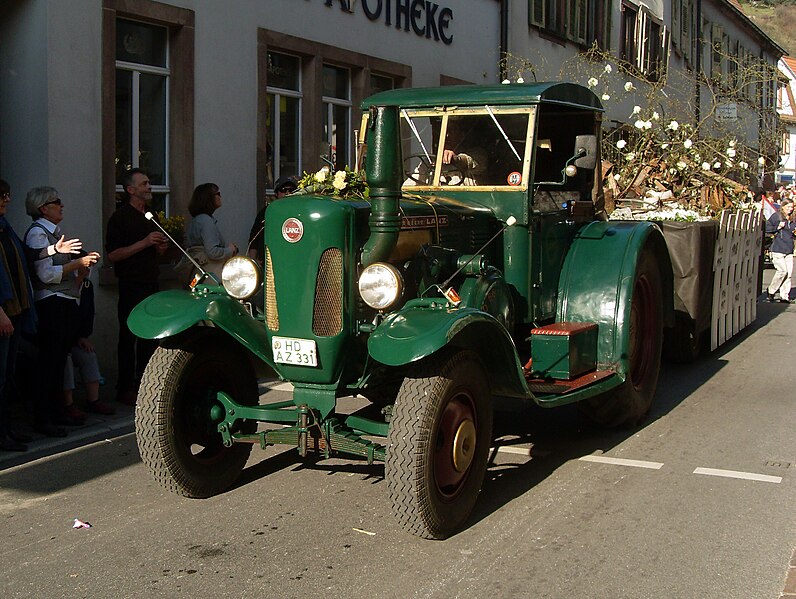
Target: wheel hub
column 464, row 445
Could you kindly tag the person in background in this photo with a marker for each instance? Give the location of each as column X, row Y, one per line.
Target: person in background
column 17, row 315
column 282, row 187
column 204, row 239
column 83, row 356
column 133, row 245
column 782, row 226
column 56, row 295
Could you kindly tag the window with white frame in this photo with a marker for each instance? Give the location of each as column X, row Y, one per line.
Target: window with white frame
column 336, row 126
column 645, row 41
column 142, row 104
column 283, row 117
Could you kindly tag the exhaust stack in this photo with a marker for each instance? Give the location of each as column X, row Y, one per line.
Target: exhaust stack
column 384, row 172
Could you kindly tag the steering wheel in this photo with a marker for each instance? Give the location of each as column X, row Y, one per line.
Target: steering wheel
column 423, row 172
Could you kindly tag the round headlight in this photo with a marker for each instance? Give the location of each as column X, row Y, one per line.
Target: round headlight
column 380, row 285
column 241, row 277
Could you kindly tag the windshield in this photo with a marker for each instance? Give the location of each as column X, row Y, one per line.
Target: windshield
column 470, row 148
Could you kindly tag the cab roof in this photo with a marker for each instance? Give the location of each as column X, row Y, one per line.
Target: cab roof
column 552, row 92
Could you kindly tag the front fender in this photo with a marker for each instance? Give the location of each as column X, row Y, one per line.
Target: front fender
column 169, row 313
column 423, row 326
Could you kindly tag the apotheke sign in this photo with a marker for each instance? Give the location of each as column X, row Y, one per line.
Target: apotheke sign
column 427, row 19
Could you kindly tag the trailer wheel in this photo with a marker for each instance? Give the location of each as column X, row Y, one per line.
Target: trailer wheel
column 438, row 444
column 177, row 438
column 628, row 404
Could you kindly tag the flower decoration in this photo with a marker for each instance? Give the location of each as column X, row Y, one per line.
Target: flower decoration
column 344, row 183
column 621, row 144
column 593, row 82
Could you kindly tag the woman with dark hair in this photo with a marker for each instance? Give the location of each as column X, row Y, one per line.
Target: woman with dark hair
column 204, row 239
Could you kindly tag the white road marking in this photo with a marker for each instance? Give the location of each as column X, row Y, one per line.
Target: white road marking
column 743, row 475
column 621, row 462
column 526, row 451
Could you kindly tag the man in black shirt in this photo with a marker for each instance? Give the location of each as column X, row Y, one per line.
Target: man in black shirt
column 133, row 244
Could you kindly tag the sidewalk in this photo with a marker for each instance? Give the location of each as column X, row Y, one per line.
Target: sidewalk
column 96, row 428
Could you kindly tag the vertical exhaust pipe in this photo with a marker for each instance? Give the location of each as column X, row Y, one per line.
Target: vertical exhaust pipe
column 384, row 173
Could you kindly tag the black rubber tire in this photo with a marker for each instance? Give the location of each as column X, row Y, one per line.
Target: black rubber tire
column 430, row 496
column 176, row 437
column 629, row 404
column 681, row 343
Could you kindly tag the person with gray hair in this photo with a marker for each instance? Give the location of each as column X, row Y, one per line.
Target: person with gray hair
column 782, row 226
column 56, row 291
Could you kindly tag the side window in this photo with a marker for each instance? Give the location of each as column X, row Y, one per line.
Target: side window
column 142, row 99
column 336, row 140
column 283, row 117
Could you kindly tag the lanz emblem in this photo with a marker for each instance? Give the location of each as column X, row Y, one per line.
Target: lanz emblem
column 292, row 230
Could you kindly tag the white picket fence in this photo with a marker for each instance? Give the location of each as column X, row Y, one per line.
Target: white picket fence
column 736, row 263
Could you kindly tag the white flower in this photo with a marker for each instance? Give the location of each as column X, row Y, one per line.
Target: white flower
column 606, row 97
column 636, row 109
column 688, row 143
column 681, row 165
column 731, row 152
column 743, row 164
column 339, row 181
column 608, row 68
column 674, row 125
column 320, row 176
column 732, row 143
column 706, row 166
column 520, row 80
column 617, row 177
column 621, row 144
column 629, row 87
column 655, row 116
column 505, row 82
column 672, row 171
column 631, row 156
column 664, row 146
column 648, row 124
column 717, row 165
column 761, row 161
column 639, row 124
column 592, row 82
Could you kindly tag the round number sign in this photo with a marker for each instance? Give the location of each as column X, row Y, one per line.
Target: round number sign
column 514, row 178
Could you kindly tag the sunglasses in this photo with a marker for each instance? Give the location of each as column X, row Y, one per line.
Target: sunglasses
column 56, row 201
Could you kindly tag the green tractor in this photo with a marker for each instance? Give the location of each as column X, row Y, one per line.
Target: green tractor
column 480, row 266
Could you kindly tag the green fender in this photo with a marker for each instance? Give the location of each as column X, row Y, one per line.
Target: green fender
column 597, row 278
column 169, row 313
column 424, row 326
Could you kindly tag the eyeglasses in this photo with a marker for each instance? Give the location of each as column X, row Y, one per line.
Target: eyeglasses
column 5, row 195
column 56, row 201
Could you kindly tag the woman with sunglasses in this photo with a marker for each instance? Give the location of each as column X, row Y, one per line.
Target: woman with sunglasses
column 57, row 280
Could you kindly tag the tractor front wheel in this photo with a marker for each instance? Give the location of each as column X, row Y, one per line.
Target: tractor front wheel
column 177, row 437
column 438, row 444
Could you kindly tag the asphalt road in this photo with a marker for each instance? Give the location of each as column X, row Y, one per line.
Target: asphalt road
column 567, row 510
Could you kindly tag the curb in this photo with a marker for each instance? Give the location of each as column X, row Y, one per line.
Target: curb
column 96, row 430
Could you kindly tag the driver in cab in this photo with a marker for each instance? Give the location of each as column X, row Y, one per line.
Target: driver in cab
column 467, row 162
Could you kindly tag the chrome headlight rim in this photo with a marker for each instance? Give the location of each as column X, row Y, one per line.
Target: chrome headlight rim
column 380, row 285
column 241, row 277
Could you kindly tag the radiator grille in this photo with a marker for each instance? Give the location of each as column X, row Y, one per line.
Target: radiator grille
column 271, row 311
column 327, row 314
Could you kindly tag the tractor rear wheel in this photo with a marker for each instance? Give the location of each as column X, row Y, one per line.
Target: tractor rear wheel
column 630, row 403
column 438, row 444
